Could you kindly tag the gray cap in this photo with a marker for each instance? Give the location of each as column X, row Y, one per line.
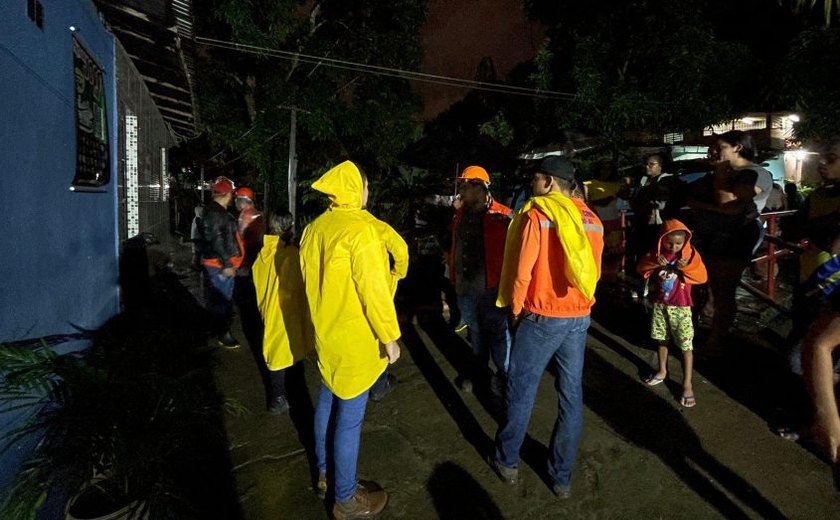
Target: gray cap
column 557, row 166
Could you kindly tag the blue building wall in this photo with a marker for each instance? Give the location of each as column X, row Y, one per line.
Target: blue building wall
column 59, row 248
column 59, row 268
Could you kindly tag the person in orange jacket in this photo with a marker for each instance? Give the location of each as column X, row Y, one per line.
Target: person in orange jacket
column 551, row 266
column 479, row 227
column 673, row 267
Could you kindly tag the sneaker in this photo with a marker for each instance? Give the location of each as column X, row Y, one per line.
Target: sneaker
column 461, row 327
column 321, row 485
column 278, row 406
column 228, row 341
column 507, row 475
column 464, row 384
column 563, row 492
column 368, row 502
column 385, row 389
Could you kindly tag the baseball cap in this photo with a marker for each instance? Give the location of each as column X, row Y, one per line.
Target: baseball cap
column 557, row 166
column 222, row 185
column 475, row 173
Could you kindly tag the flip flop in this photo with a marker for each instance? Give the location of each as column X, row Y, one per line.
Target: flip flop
column 787, row 433
column 652, row 380
column 688, row 401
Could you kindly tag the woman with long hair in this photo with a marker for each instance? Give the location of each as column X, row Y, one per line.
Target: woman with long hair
column 725, row 209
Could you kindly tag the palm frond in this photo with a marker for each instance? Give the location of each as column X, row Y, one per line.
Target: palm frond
column 828, row 7
column 27, row 495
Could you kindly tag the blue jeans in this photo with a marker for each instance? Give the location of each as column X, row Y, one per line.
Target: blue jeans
column 380, row 385
column 489, row 335
column 220, row 297
column 538, row 341
column 338, row 430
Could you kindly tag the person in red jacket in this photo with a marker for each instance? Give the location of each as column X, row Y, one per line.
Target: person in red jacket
column 671, row 269
column 479, row 228
column 251, row 226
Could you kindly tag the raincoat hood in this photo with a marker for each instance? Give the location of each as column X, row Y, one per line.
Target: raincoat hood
column 669, row 226
column 343, row 184
column 693, row 272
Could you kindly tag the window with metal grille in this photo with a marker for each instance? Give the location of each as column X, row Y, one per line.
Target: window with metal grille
column 672, row 138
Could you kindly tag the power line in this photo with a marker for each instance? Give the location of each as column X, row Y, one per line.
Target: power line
column 391, row 72
column 385, row 71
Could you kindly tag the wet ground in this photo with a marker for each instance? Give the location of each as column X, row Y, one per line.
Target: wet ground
column 641, row 456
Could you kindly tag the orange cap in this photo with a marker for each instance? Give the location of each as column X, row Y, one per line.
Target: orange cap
column 475, row 172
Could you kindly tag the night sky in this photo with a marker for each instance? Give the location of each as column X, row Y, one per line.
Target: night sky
column 459, row 33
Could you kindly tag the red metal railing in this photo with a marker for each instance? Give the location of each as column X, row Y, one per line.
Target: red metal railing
column 776, row 248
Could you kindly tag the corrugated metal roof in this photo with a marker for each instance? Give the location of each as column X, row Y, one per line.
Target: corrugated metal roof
column 158, row 35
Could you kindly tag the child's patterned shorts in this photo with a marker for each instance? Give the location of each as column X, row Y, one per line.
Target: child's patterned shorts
column 669, row 321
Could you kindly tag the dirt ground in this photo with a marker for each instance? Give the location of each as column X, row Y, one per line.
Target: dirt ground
column 641, row 454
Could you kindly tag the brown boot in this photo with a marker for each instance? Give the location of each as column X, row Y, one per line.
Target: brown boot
column 368, row 502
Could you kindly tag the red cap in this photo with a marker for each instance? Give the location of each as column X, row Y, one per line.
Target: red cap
column 246, row 193
column 222, row 185
column 476, row 173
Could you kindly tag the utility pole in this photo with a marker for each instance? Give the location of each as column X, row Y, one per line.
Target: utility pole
column 293, row 167
column 292, row 175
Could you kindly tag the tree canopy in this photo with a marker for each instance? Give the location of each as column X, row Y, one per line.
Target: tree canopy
column 811, row 68
column 636, row 69
column 245, row 97
column 652, row 65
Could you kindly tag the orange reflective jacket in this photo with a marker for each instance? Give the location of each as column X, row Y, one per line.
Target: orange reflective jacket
column 541, row 285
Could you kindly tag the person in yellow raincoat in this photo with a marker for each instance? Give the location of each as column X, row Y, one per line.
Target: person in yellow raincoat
column 345, row 272
column 287, row 328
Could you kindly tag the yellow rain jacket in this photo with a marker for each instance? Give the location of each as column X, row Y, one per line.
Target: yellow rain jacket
column 287, row 336
column 397, row 248
column 344, row 265
column 580, row 268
